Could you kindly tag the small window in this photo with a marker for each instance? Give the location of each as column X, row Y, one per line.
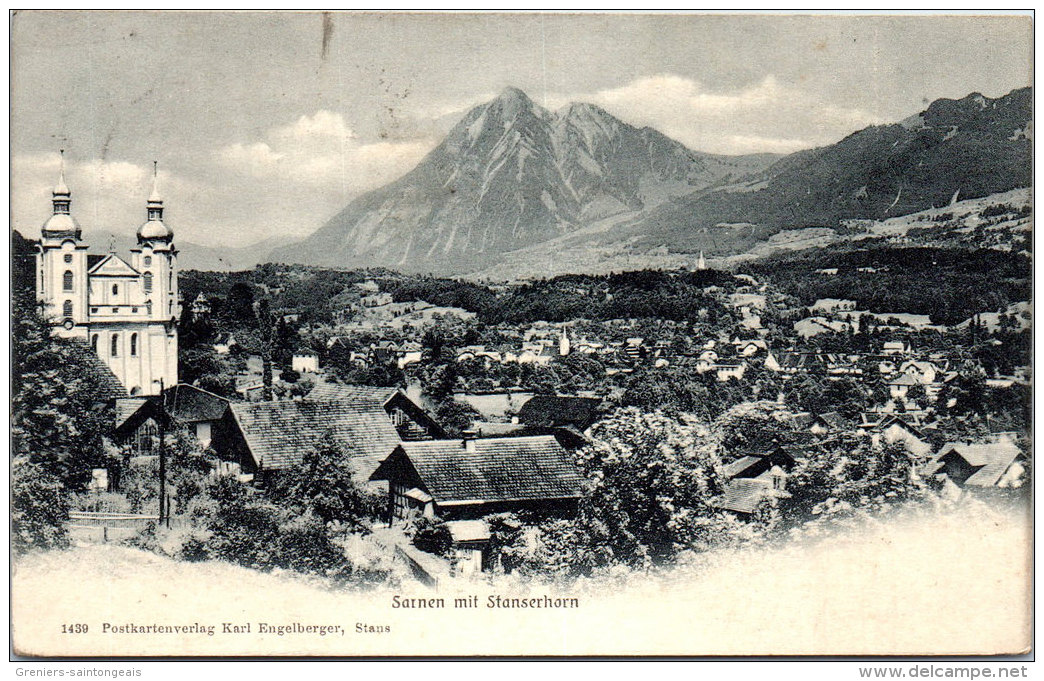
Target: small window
column 115, row 289
column 94, row 342
column 134, row 310
column 147, row 261
column 148, row 282
column 115, row 310
column 67, row 281
column 67, row 308
column 94, row 310
column 114, row 346
column 134, row 345
column 68, row 258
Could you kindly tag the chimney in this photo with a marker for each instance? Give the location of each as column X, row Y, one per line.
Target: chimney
column 469, row 439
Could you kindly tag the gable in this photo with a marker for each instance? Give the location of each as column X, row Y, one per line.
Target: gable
column 113, row 266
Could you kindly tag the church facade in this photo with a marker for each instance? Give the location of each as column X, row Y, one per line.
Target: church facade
column 127, row 311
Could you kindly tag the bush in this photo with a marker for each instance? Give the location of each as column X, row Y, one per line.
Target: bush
column 432, row 536
column 39, row 508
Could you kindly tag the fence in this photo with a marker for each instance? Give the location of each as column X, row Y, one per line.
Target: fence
column 103, row 526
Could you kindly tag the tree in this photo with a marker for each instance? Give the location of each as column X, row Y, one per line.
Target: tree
column 323, row 484
column 652, row 479
column 39, row 508
column 59, row 416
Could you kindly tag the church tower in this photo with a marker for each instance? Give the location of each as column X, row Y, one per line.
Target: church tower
column 155, row 258
column 126, row 311
column 61, row 265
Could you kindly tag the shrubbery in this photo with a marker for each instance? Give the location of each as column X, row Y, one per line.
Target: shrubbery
column 39, row 508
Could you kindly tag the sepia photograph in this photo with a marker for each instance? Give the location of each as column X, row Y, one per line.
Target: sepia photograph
column 520, row 335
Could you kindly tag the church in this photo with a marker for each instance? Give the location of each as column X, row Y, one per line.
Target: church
column 126, row 311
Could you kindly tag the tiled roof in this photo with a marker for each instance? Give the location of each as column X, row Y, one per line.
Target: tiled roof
column 279, row 433
column 341, row 391
column 991, row 458
column 126, row 406
column 739, row 465
column 743, row 495
column 833, row 420
column 558, row 410
column 109, row 387
column 495, row 469
column 190, row 404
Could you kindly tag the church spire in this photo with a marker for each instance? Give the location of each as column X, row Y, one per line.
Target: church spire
column 61, row 224
column 154, row 229
column 155, row 203
column 61, row 197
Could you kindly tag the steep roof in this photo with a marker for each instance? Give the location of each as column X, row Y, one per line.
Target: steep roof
column 279, row 433
column 108, row 386
column 742, row 495
column 494, row 469
column 190, row 404
column 341, row 391
column 991, row 459
column 558, row 410
column 740, row 465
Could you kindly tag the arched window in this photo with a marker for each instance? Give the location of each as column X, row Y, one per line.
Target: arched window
column 134, row 345
column 94, row 342
column 67, row 281
column 148, row 282
column 67, row 309
column 115, row 289
column 114, row 345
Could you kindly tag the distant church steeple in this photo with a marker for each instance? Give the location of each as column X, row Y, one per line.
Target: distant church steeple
column 701, row 264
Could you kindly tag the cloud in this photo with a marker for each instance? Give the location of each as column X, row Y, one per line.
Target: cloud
column 765, row 116
column 322, row 152
column 107, row 195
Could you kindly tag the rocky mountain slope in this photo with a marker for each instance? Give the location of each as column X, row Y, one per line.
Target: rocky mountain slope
column 509, row 175
column 518, row 191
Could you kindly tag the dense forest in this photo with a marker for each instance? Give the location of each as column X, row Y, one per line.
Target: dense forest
column 949, row 285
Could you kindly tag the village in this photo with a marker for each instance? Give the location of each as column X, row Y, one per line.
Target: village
column 451, row 423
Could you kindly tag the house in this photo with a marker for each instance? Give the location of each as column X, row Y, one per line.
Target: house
column 411, row 421
column 579, row 413
column 471, row 478
column 891, row 428
column 268, row 437
column 409, row 353
column 727, row 372
column 755, row 464
column 748, row 348
column 753, row 478
column 984, row 464
column 895, row 348
column 899, row 386
column 305, row 362
column 828, row 422
column 743, row 496
column 180, row 406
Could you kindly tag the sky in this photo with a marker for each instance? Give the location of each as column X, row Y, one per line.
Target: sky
column 265, row 125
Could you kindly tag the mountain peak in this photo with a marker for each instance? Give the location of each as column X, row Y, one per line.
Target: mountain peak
column 514, row 95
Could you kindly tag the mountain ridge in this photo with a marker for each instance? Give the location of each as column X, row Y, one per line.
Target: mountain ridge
column 512, row 174
column 513, row 180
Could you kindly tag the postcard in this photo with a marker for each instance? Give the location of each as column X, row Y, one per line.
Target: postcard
column 391, row 334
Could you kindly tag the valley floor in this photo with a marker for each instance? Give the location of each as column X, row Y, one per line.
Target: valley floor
column 954, row 581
